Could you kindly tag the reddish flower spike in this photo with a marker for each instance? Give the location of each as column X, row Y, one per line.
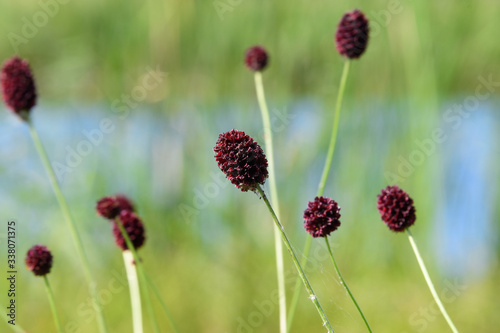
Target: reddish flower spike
column 241, row 159
column 110, row 207
column 256, row 58
column 39, row 260
column 18, row 86
column 351, row 37
column 134, row 228
column 396, row 208
column 321, row 217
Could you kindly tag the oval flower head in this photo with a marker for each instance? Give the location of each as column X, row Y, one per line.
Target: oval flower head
column 134, row 228
column 321, row 217
column 18, row 86
column 256, row 58
column 241, row 159
column 39, row 260
column 351, row 37
column 110, row 207
column 396, row 208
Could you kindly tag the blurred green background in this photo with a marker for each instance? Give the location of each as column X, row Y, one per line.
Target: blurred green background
column 210, row 247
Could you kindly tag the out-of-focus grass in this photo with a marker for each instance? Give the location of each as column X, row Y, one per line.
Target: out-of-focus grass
column 218, row 267
column 97, row 50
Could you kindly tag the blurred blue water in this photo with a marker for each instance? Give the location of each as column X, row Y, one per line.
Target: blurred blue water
column 159, row 147
column 471, row 183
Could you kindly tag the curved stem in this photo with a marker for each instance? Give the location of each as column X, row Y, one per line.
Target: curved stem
column 302, row 275
column 72, row 227
column 163, row 304
column 138, row 263
column 135, row 294
column 429, row 282
column 322, row 183
column 342, row 281
column 297, row 289
column 268, row 141
column 333, row 138
column 15, row 327
column 52, row 304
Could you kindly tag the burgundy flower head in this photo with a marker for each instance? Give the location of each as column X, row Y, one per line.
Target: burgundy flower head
column 321, row 217
column 241, row 159
column 256, row 58
column 39, row 260
column 18, row 86
column 110, row 207
column 134, row 228
column 351, row 37
column 396, row 208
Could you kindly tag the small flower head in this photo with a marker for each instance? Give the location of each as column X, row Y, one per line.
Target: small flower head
column 321, row 217
column 396, row 208
column 134, row 228
column 256, row 58
column 39, row 260
column 351, row 37
column 110, row 207
column 241, row 159
column 18, row 86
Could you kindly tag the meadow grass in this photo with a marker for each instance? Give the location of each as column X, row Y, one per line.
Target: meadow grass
column 92, row 52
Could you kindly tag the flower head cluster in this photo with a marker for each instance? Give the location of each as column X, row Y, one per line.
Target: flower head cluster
column 256, row 58
column 241, row 159
column 18, row 86
column 134, row 228
column 110, row 207
column 39, row 260
column 396, row 208
column 321, row 217
column 351, row 37
column 119, row 209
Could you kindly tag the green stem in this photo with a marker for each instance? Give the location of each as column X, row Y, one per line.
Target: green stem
column 135, row 294
column 298, row 283
column 15, row 327
column 342, row 281
column 322, row 183
column 140, row 268
column 302, row 275
column 429, row 282
column 163, row 304
column 333, row 139
column 52, row 304
column 72, row 227
column 268, row 141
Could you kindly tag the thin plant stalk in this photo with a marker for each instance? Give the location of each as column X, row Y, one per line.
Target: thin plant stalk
column 310, row 291
column 342, row 281
column 52, row 304
column 322, row 183
column 145, row 281
column 333, row 138
column 135, row 294
column 429, row 282
column 268, row 141
column 16, row 327
column 72, row 227
column 162, row 302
